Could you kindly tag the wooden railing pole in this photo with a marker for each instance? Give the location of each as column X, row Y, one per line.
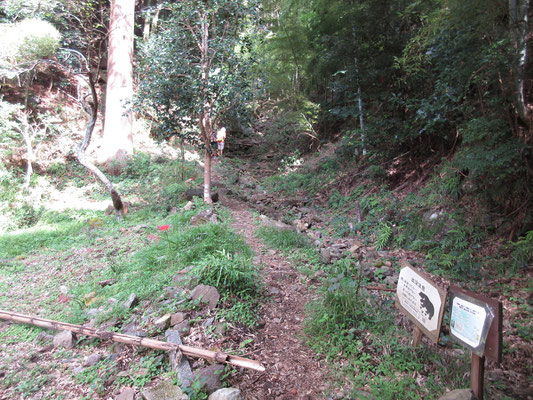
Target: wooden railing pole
column 133, row 340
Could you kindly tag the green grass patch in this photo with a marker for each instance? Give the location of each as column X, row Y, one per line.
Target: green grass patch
column 217, row 255
column 283, row 239
column 241, row 310
column 59, row 232
column 17, row 333
column 231, row 275
column 307, row 260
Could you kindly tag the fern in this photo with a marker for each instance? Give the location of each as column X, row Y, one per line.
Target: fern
column 447, row 260
column 384, row 235
column 522, row 250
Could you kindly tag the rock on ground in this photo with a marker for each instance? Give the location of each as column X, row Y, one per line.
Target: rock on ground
column 459, row 394
column 131, row 302
column 226, row 394
column 177, row 318
column 164, row 391
column 209, row 377
column 184, row 328
column 180, row 365
column 163, row 322
column 208, row 294
column 64, row 339
column 93, row 359
column 270, row 223
column 44, row 337
column 126, row 394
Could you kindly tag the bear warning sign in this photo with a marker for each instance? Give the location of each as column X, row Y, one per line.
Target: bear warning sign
column 421, row 300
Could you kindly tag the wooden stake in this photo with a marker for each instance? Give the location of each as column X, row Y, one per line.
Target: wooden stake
column 133, row 340
column 417, row 336
column 477, row 374
column 379, row 288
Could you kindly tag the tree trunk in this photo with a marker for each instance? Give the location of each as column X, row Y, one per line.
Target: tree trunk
column 518, row 10
column 361, row 119
column 93, row 112
column 207, row 178
column 28, row 138
column 118, row 136
column 182, row 149
column 206, row 128
column 28, row 133
column 147, row 19
column 155, row 21
column 359, row 97
column 29, row 78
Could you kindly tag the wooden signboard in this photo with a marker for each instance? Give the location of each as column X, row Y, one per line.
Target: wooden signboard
column 421, row 300
column 476, row 322
column 489, row 343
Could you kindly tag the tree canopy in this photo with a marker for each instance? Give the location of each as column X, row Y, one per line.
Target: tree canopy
column 443, row 83
column 193, row 70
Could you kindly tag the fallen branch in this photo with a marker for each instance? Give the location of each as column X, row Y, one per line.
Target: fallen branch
column 379, row 288
column 134, row 340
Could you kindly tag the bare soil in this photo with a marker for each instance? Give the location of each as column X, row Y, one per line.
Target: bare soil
column 292, row 369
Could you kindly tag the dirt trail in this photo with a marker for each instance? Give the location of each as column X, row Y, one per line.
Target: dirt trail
column 292, row 369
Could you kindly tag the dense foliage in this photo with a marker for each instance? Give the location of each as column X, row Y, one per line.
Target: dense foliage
column 193, row 70
column 425, row 80
column 435, row 83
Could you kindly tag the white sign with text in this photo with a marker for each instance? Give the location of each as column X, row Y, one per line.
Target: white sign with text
column 419, row 298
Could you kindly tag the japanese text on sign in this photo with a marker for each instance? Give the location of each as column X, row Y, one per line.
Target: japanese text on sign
column 467, row 321
column 419, row 298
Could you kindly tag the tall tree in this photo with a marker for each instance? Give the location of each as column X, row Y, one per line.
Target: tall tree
column 87, row 22
column 193, row 71
column 519, row 13
column 118, row 135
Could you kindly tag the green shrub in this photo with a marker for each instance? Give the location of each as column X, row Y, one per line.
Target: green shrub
column 384, row 235
column 493, row 162
column 139, row 166
column 342, row 306
column 522, row 251
column 173, row 192
column 337, row 200
column 242, row 311
column 283, row 239
column 197, row 242
column 377, row 172
column 230, row 275
column 27, row 41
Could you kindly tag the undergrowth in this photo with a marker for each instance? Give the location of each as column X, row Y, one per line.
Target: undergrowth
column 214, row 253
column 358, row 332
column 282, row 239
column 428, row 221
column 81, row 248
column 372, row 355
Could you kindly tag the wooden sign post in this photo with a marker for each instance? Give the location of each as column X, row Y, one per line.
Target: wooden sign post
column 476, row 323
column 422, row 301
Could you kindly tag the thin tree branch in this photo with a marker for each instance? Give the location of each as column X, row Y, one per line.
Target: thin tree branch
column 191, row 29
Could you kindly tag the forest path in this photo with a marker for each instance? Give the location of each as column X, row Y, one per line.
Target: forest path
column 293, row 370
